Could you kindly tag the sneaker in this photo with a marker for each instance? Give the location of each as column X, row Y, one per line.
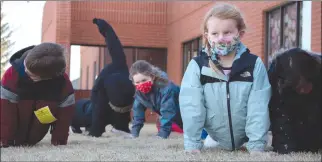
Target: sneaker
column 119, row 132
column 210, row 143
column 77, row 130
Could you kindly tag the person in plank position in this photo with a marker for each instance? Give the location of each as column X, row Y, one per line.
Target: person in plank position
column 36, row 94
column 154, row 91
column 112, row 94
column 225, row 89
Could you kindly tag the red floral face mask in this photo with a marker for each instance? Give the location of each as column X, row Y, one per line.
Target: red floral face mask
column 144, row 87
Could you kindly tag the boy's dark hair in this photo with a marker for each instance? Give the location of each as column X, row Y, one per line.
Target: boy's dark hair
column 46, row 60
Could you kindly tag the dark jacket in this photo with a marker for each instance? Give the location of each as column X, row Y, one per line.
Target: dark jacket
column 111, row 86
column 20, row 97
column 296, row 118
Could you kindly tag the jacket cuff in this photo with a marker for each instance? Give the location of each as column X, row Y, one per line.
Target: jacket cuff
column 163, row 133
column 258, row 146
column 59, row 142
column 135, row 132
column 6, row 143
column 192, row 145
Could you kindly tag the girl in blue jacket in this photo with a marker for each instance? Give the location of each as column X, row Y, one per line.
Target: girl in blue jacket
column 154, row 91
column 225, row 89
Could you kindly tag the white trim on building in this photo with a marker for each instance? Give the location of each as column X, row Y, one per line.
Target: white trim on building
column 306, row 25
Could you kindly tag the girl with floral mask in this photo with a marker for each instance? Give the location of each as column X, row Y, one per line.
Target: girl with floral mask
column 225, row 89
column 154, row 91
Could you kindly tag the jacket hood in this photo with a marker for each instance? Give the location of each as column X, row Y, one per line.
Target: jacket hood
column 17, row 59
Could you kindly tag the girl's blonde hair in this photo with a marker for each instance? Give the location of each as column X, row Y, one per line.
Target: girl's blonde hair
column 222, row 11
column 147, row 69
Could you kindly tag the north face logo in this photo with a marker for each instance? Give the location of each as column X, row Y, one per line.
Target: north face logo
column 245, row 74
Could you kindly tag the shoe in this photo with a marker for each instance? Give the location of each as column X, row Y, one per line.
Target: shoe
column 119, row 132
column 77, row 130
column 210, row 143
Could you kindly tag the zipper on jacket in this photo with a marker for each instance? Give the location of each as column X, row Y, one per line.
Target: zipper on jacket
column 229, row 117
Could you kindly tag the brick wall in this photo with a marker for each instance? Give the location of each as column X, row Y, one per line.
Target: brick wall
column 136, row 23
column 316, row 26
column 187, row 26
column 63, row 29
column 156, row 24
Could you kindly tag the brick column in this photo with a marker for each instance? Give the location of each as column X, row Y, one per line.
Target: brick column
column 63, row 29
column 67, row 47
column 316, row 26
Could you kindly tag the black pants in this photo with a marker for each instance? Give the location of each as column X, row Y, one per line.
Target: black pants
column 83, row 115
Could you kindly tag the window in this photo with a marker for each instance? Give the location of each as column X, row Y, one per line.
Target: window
column 92, row 60
column 284, row 28
column 155, row 56
column 190, row 50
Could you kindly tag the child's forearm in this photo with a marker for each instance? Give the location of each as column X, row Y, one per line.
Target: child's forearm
column 9, row 113
column 61, row 126
column 8, row 107
column 136, row 127
column 165, row 128
column 138, row 118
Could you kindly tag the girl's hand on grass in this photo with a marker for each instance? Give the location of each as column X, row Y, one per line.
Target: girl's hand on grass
column 157, row 137
column 195, row 151
column 256, row 153
column 130, row 136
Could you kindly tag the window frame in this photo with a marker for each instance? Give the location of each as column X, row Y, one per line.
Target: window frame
column 136, row 53
column 299, row 6
column 94, row 71
column 80, row 78
column 191, row 43
column 87, row 76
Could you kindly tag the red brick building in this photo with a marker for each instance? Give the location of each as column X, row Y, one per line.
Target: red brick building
column 167, row 33
column 93, row 59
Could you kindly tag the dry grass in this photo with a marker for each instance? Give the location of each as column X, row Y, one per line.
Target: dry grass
column 111, row 147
